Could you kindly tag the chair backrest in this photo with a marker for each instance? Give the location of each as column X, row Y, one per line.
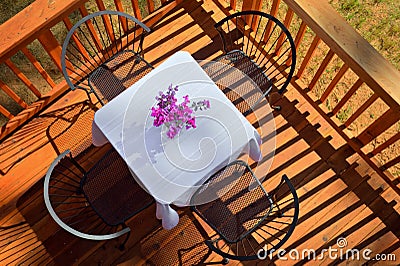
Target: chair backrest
column 93, row 204
column 67, row 204
column 96, row 39
column 265, row 40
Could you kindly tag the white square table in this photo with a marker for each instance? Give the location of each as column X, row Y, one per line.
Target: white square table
column 172, row 169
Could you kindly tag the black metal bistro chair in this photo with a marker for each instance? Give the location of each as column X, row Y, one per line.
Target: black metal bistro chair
column 260, row 46
column 250, row 222
column 102, row 54
column 93, row 204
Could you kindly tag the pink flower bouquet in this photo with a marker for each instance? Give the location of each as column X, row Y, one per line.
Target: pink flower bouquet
column 173, row 115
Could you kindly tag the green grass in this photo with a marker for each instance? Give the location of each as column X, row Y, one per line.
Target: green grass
column 8, row 8
column 378, row 21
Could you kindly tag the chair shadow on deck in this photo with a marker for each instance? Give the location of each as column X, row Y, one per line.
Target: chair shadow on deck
column 45, row 240
column 39, row 240
column 65, row 128
column 183, row 245
column 71, row 127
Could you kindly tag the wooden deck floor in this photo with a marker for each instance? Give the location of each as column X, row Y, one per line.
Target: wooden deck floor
column 340, row 196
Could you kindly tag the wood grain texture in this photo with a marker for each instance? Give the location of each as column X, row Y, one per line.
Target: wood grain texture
column 340, row 194
column 25, row 26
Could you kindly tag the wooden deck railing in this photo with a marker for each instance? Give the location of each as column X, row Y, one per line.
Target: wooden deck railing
column 344, row 78
column 350, row 84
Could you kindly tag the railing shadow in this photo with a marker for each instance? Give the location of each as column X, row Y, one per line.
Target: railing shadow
column 8, row 235
column 201, row 18
column 324, row 211
column 183, row 245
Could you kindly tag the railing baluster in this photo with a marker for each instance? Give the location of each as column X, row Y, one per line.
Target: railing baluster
column 38, row 66
column 136, row 9
column 321, row 69
column 150, row 5
column 75, row 38
column 233, row 4
column 118, row 5
column 5, row 112
column 309, row 55
column 93, row 34
column 13, row 95
column 100, row 5
column 298, row 39
column 52, row 47
column 385, row 145
column 360, row 110
column 275, row 7
column 334, row 82
column 390, row 164
column 347, row 96
column 300, row 34
column 273, row 12
column 288, row 20
column 23, row 78
column 109, row 29
column 378, row 126
column 252, row 5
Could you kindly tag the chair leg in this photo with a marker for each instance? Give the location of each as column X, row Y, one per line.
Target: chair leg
column 224, row 261
column 122, row 245
column 280, row 213
column 276, row 107
column 272, row 98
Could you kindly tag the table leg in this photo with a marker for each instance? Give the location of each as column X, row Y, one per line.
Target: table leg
column 169, row 216
column 98, row 138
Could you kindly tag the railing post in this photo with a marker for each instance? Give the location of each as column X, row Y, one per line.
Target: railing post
column 252, row 5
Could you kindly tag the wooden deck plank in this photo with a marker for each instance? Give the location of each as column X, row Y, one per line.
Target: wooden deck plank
column 340, row 196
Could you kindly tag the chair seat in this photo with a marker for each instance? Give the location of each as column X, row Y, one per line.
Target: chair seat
column 112, row 191
column 241, row 61
column 118, row 74
column 241, row 206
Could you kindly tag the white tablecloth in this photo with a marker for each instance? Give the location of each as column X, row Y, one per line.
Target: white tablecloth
column 172, row 169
